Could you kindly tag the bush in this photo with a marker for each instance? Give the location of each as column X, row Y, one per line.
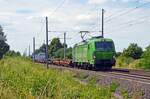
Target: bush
column 126, row 62
column 133, row 51
column 118, row 54
column 12, row 53
column 145, row 61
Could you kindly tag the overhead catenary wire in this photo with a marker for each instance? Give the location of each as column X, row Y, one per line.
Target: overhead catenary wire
column 122, row 13
column 72, row 38
column 54, row 11
column 116, row 13
column 58, row 7
column 131, row 21
column 87, row 14
column 41, row 31
column 129, row 25
column 61, row 4
column 126, row 12
column 42, row 27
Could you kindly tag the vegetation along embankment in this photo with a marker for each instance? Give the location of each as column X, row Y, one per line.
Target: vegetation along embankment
column 133, row 57
column 21, row 78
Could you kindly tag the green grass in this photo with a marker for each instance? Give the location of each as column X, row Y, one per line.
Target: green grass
column 22, row 79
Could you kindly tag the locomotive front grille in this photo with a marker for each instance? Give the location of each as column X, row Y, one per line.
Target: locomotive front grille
column 103, row 61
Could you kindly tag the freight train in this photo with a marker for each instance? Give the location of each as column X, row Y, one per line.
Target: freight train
column 40, row 58
column 95, row 53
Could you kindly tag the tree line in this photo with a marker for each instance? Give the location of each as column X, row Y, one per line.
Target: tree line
column 55, row 49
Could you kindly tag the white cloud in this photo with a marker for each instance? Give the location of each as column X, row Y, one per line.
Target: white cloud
column 84, row 17
column 6, row 13
column 97, row 1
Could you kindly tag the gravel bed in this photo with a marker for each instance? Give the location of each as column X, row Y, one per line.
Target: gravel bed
column 134, row 89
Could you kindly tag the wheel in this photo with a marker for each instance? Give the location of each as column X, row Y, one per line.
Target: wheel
column 74, row 65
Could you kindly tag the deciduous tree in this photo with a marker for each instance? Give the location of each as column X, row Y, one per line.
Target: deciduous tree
column 4, row 47
column 133, row 51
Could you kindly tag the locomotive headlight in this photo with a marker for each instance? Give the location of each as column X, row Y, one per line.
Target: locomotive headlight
column 94, row 57
column 114, row 56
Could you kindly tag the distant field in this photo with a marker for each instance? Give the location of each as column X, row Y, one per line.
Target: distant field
column 20, row 78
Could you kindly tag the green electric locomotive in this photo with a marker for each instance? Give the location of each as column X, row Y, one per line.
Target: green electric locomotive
column 95, row 53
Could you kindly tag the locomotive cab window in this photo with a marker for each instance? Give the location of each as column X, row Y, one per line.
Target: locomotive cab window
column 104, row 46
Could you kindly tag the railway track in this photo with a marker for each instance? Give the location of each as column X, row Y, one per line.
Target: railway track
column 129, row 74
column 123, row 74
column 130, row 77
column 133, row 72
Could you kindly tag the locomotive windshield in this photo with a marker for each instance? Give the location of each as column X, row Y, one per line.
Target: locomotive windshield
column 104, row 46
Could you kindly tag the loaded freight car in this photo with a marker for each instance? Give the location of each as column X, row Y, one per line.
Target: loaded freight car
column 97, row 53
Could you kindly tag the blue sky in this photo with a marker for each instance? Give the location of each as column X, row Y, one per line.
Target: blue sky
column 24, row 19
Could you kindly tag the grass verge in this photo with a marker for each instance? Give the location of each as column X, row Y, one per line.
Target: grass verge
column 21, row 78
